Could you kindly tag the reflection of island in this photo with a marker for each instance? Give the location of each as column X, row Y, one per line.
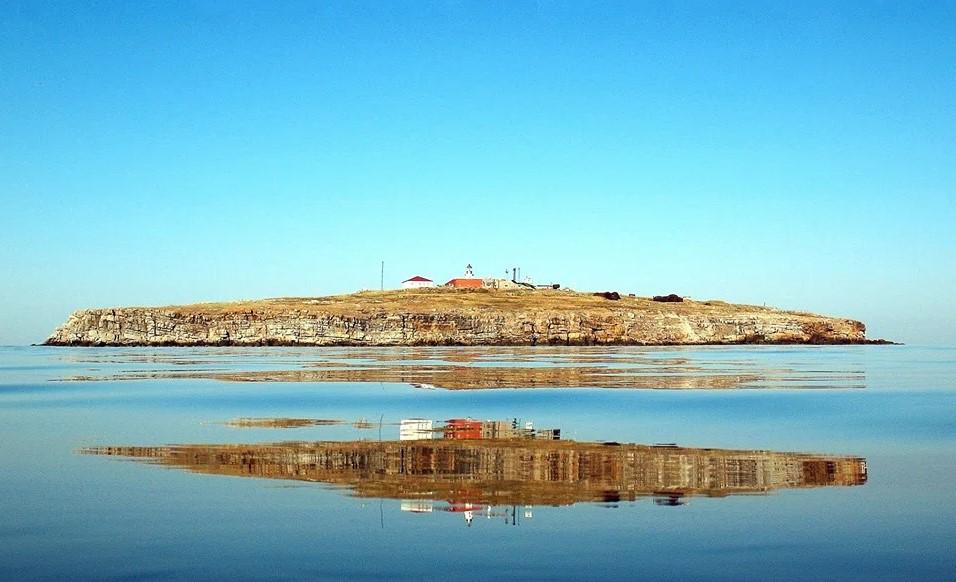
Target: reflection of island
column 470, row 369
column 477, row 472
column 453, row 377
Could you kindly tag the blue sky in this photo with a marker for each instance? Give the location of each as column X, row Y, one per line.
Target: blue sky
column 800, row 156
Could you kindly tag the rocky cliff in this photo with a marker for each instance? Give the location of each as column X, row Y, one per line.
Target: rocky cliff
column 452, row 317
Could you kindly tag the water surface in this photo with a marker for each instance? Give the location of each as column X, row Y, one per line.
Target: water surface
column 749, row 462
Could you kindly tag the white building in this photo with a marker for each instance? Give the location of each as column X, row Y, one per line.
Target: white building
column 417, row 282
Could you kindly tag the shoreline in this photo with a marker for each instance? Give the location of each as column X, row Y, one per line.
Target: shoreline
column 287, row 344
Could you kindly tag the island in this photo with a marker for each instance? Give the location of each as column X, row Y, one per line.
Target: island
column 455, row 317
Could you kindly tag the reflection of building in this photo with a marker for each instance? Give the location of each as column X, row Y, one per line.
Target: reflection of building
column 549, row 434
column 498, row 429
column 670, row 500
column 417, row 505
column 467, row 428
column 509, row 429
column 465, row 508
column 413, row 429
column 463, row 428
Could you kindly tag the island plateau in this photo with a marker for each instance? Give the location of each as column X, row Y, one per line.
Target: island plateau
column 447, row 316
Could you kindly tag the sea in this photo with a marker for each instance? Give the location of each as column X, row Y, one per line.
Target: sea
column 544, row 463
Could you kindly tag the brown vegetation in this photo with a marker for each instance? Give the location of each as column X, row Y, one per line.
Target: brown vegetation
column 429, row 300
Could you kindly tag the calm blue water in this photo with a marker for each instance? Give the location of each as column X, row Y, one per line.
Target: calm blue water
column 67, row 515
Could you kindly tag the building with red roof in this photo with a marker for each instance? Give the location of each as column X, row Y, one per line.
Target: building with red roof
column 469, row 281
column 417, row 282
column 463, row 283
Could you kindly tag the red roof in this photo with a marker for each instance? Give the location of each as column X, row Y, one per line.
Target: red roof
column 418, row 278
column 465, row 283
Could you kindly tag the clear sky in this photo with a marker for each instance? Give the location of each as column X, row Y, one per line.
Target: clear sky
column 801, row 154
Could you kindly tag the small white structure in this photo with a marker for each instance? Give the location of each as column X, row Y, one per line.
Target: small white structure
column 417, row 282
column 415, row 429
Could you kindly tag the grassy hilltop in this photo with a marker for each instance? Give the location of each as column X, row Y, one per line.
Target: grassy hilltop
column 430, row 300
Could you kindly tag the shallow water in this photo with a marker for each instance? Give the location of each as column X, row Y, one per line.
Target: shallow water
column 791, row 463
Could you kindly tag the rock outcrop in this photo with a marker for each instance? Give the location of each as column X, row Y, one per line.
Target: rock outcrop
column 452, row 317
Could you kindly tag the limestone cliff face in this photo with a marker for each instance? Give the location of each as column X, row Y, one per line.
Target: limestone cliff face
column 427, row 318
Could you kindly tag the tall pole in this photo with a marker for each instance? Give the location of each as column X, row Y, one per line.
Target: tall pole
column 382, row 279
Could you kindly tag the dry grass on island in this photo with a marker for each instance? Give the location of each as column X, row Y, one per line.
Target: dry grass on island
column 430, row 300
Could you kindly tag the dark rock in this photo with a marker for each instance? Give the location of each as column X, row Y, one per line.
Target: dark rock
column 612, row 295
column 672, row 298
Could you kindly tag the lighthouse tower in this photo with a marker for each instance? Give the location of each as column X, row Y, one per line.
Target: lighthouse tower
column 468, row 281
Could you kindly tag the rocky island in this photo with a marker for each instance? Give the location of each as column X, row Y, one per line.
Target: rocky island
column 443, row 316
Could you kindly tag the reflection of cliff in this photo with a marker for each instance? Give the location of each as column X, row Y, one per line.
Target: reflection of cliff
column 476, row 377
column 492, row 367
column 506, row 472
column 281, row 422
